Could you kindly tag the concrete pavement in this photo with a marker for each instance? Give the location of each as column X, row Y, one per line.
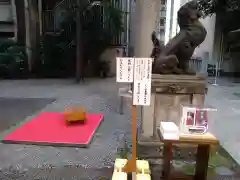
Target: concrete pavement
column 226, row 122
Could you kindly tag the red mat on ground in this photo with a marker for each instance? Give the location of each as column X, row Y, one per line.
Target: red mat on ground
column 49, row 128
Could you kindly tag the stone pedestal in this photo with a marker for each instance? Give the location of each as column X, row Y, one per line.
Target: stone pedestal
column 168, row 93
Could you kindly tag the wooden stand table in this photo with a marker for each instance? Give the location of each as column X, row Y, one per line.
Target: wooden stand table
column 202, row 141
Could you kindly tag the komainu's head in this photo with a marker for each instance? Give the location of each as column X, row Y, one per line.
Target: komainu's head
column 189, row 13
column 188, row 20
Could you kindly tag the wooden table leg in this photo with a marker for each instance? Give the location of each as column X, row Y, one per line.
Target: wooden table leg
column 202, row 162
column 167, row 157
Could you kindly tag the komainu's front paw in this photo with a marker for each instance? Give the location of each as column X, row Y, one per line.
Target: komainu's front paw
column 189, row 72
column 177, row 70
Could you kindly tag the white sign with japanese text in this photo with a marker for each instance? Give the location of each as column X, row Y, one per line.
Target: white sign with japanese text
column 142, row 93
column 142, row 81
column 125, row 67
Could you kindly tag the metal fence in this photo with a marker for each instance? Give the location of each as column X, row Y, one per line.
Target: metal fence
column 48, row 21
column 196, row 64
column 51, row 19
column 124, row 5
column 199, row 64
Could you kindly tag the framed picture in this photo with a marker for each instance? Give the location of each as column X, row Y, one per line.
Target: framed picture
column 194, row 120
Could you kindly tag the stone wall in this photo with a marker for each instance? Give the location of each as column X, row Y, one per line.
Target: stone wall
column 110, row 55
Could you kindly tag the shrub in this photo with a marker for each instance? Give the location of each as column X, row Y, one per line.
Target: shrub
column 57, row 57
column 13, row 59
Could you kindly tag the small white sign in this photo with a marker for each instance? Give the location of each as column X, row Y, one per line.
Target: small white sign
column 142, row 93
column 125, row 69
column 143, row 69
column 142, row 81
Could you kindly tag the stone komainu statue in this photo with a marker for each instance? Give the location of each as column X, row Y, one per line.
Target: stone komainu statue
column 173, row 58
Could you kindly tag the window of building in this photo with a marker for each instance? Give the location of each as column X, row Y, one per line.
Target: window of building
column 163, row 2
column 163, row 12
column 163, row 9
column 162, row 32
column 162, row 22
column 4, row 1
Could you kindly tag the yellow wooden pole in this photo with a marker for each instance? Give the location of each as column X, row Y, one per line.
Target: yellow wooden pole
column 131, row 165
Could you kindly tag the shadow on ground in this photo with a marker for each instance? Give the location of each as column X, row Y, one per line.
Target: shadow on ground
column 80, row 173
column 15, row 110
column 64, row 173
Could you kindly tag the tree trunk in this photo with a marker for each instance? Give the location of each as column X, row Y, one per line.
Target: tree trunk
column 21, row 26
column 34, row 34
column 79, row 60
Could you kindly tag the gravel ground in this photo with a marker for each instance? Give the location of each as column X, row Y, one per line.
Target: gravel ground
column 18, row 161
column 46, row 162
column 14, row 110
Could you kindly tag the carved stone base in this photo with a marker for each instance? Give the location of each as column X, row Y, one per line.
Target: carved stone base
column 148, row 147
column 168, row 93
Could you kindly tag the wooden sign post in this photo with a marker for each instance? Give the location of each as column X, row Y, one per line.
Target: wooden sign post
column 139, row 72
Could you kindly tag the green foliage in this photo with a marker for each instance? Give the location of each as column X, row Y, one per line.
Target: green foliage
column 189, row 169
column 57, row 57
column 101, row 28
column 228, row 12
column 13, row 59
column 100, row 24
column 6, row 43
column 215, row 160
column 210, row 7
column 123, row 152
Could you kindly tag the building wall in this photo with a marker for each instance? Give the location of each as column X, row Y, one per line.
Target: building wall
column 171, row 27
column 162, row 21
column 7, row 17
column 230, row 55
column 6, row 12
column 207, row 45
column 217, row 44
